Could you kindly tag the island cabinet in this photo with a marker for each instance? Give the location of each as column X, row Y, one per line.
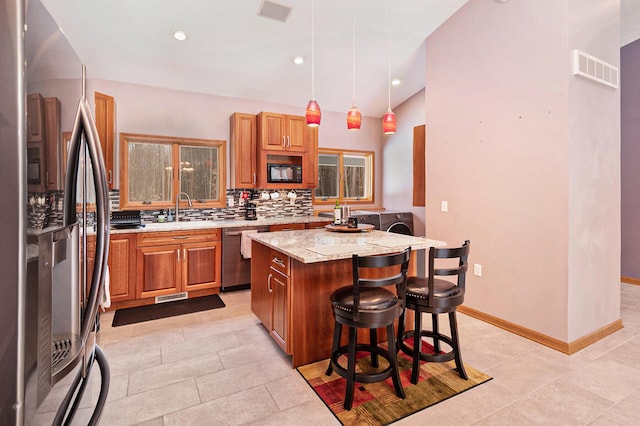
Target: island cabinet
column 178, row 261
column 281, row 132
column 286, row 227
column 122, row 265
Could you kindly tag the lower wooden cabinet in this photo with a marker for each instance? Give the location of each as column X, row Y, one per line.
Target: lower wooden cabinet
column 270, row 292
column 318, row 225
column 178, row 261
column 121, row 261
column 286, row 227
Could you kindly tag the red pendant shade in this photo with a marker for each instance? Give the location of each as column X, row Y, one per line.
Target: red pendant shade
column 389, row 123
column 313, row 114
column 354, row 118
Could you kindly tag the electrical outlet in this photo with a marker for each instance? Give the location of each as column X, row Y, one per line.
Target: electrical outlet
column 477, row 269
column 444, row 206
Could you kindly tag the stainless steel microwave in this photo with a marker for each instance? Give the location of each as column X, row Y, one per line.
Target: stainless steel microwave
column 284, row 173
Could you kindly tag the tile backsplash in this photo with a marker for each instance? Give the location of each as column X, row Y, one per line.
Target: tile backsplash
column 51, row 211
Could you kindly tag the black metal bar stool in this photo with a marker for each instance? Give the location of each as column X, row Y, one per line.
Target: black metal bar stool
column 435, row 296
column 368, row 304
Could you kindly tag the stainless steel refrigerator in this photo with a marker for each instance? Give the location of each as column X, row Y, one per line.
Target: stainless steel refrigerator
column 49, row 314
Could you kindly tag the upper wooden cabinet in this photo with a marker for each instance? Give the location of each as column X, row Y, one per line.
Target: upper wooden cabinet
column 35, row 117
column 419, row 173
column 244, row 151
column 281, row 132
column 105, row 124
column 53, row 135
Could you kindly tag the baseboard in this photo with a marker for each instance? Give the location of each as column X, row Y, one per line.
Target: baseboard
column 558, row 345
column 629, row 280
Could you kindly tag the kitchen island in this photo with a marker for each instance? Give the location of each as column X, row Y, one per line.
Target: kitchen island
column 293, row 273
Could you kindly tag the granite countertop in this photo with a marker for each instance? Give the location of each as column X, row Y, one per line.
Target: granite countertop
column 320, row 245
column 200, row 224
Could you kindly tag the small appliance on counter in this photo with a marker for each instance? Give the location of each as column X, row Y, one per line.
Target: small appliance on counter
column 250, row 211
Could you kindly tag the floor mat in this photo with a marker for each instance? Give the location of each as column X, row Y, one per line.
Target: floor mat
column 165, row 310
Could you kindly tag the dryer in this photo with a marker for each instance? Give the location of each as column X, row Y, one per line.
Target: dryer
column 398, row 222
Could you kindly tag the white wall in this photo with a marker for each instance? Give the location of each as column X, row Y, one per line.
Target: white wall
column 397, row 183
column 504, row 133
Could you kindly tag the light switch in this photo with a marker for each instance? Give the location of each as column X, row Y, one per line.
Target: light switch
column 444, row 206
column 477, row 269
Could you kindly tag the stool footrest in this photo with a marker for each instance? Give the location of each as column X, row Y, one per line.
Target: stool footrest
column 441, row 357
column 363, row 377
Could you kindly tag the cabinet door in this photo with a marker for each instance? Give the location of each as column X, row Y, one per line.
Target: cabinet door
column 52, row 142
column 310, row 169
column 122, row 272
column 35, row 118
column 158, row 271
column 261, row 284
column 272, row 131
column 296, row 133
column 105, row 124
column 201, row 266
column 243, row 151
column 279, row 322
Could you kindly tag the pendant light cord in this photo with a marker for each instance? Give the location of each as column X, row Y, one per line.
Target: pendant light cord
column 313, row 55
column 389, row 52
column 353, row 2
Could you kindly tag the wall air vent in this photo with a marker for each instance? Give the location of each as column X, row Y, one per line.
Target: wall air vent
column 587, row 66
column 273, row 10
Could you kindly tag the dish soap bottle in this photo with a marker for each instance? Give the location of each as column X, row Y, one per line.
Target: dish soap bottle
column 161, row 216
column 336, row 214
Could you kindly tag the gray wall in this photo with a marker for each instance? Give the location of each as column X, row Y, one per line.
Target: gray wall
column 630, row 158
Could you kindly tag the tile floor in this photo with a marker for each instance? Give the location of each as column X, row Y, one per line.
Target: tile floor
column 220, row 367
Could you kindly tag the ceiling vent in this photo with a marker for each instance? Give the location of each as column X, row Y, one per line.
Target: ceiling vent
column 587, row 66
column 273, row 10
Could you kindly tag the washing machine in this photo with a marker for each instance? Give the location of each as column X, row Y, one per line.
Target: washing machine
column 387, row 220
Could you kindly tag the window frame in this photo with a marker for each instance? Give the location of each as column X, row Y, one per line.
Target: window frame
column 175, row 143
column 341, row 153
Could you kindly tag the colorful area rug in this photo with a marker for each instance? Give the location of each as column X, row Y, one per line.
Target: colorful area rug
column 377, row 403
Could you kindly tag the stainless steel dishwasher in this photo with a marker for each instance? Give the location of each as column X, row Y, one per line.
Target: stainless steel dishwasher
column 236, row 270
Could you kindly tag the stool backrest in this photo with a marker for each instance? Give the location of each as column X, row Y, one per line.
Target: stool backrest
column 462, row 253
column 390, row 270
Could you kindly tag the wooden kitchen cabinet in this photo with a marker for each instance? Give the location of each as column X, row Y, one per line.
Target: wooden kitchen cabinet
column 244, row 150
column 281, row 132
column 318, row 225
column 35, row 117
column 105, row 125
column 270, row 292
column 121, row 261
column 53, row 135
column 286, row 227
column 177, row 261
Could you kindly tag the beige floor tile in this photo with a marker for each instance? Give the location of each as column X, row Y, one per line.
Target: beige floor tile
column 227, row 325
column 120, row 363
column 556, row 403
column 256, row 351
column 150, row 405
column 309, row 413
column 291, row 391
column 606, row 378
column 146, row 342
column 627, row 354
column 237, row 409
column 245, row 376
column 624, row 413
column 196, row 347
column 173, row 372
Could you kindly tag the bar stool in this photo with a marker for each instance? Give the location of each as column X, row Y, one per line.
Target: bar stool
column 435, row 296
column 368, row 304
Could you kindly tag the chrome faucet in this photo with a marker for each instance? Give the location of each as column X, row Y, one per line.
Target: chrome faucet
column 178, row 201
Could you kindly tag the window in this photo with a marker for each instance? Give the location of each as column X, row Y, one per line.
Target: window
column 147, row 171
column 344, row 176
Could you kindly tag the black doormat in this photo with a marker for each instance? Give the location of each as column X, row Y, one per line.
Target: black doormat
column 165, row 310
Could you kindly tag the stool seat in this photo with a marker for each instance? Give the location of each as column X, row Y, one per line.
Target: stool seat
column 369, row 304
column 419, row 288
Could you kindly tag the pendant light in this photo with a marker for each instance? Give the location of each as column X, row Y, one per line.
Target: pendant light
column 354, row 118
column 389, row 123
column 313, row 113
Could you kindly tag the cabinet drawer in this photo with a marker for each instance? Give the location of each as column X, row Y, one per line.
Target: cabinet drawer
column 286, row 227
column 146, row 239
column 279, row 262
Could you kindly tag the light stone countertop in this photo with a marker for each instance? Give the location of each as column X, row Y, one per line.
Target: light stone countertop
column 320, row 245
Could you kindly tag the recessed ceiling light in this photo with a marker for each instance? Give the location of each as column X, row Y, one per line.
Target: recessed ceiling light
column 180, row 35
column 396, row 82
column 298, row 60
